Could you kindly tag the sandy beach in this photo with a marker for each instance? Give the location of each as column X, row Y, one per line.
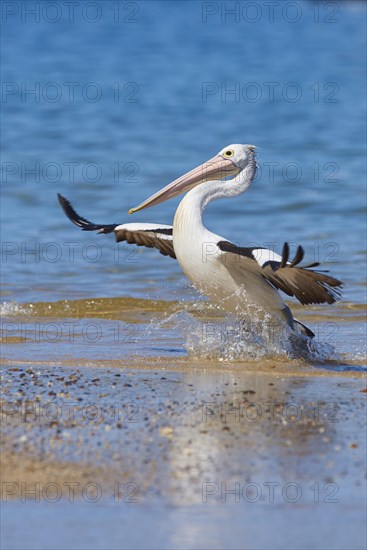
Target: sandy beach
column 191, row 438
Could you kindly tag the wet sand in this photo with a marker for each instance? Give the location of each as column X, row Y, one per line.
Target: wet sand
column 205, row 455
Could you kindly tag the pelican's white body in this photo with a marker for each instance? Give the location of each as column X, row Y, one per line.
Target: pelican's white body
column 205, row 266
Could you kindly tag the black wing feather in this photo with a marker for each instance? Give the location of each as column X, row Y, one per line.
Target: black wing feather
column 81, row 222
column 309, row 287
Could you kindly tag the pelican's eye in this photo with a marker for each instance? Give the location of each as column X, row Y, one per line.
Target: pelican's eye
column 228, row 153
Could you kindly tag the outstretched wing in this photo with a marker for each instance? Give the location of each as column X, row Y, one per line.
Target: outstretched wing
column 307, row 285
column 143, row 234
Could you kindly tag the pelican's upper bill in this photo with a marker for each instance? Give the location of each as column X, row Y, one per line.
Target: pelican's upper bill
column 230, row 161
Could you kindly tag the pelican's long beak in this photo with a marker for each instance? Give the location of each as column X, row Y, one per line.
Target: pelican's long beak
column 216, row 168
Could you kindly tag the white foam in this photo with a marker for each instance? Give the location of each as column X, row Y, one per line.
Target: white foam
column 11, row 309
column 230, row 339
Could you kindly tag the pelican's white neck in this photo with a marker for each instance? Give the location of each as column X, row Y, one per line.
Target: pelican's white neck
column 189, row 214
column 193, row 242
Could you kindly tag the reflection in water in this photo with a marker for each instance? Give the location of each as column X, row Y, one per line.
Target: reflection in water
column 250, row 430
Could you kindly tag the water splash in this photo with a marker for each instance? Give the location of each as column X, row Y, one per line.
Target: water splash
column 198, row 329
column 12, row 309
column 231, row 339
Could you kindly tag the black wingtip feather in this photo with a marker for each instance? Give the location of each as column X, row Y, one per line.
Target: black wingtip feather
column 81, row 222
column 285, row 255
column 298, row 257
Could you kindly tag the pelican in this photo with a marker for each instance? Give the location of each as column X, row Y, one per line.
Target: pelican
column 243, row 281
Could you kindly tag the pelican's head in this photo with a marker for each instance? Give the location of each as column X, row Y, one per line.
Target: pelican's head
column 239, row 154
column 227, row 164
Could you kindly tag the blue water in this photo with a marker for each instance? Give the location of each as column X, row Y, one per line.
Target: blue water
column 155, row 93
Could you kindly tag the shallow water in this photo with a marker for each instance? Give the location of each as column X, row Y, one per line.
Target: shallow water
column 128, row 328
